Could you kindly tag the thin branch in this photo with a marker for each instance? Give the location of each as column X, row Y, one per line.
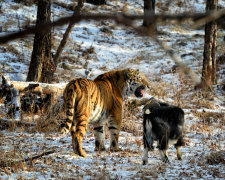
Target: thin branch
column 67, row 33
column 5, row 123
column 127, row 20
column 214, row 16
column 12, row 163
column 177, row 59
column 119, row 18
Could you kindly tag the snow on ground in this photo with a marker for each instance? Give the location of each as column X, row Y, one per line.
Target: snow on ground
column 97, row 47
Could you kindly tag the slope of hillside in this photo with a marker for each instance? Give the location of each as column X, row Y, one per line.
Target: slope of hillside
column 96, row 47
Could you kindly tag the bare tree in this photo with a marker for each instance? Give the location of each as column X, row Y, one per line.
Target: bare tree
column 209, row 55
column 149, row 8
column 41, row 64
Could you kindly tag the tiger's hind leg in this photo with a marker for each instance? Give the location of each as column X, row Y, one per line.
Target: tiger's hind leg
column 114, row 129
column 99, row 137
column 78, row 133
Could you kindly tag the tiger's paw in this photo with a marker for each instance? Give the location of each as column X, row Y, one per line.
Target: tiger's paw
column 77, row 149
column 100, row 149
column 82, row 153
column 115, row 149
column 64, row 131
column 99, row 146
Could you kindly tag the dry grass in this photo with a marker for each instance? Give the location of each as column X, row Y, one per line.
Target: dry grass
column 26, row 2
column 131, row 118
column 216, row 158
column 209, row 117
column 13, row 50
column 160, row 88
column 132, row 124
column 47, row 125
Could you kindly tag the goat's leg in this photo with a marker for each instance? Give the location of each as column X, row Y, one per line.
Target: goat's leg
column 179, row 143
column 163, row 147
column 177, row 146
column 145, row 156
column 178, row 153
column 164, row 155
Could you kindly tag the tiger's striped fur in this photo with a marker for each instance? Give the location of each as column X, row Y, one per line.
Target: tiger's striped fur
column 99, row 101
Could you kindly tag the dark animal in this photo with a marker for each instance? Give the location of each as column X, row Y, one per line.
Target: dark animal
column 165, row 124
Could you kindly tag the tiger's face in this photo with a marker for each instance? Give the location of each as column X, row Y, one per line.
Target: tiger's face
column 136, row 83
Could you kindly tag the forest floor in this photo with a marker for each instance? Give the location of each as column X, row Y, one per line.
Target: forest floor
column 95, row 47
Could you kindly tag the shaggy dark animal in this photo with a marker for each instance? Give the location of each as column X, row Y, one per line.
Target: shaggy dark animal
column 165, row 124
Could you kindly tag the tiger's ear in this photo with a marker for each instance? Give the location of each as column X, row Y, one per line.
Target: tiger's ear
column 126, row 74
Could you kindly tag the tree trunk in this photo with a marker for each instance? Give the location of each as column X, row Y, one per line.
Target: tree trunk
column 209, row 55
column 149, row 8
column 41, row 63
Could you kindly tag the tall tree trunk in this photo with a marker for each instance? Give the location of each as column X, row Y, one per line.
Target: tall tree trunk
column 149, row 8
column 48, row 63
column 41, row 62
column 209, row 55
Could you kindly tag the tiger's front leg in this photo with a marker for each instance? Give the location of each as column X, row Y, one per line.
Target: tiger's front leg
column 78, row 133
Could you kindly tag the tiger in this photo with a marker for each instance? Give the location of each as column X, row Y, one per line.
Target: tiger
column 99, row 101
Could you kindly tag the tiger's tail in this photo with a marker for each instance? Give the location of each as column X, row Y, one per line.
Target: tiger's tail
column 69, row 103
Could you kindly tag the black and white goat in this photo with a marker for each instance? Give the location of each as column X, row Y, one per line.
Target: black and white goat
column 165, row 124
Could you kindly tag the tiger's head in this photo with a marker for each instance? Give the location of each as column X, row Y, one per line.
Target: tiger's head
column 136, row 83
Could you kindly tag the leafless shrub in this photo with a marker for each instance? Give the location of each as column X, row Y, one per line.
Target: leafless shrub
column 87, row 52
column 51, row 120
column 13, row 50
column 151, row 174
column 159, row 88
column 47, row 125
column 131, row 118
column 136, row 60
column 209, row 117
column 202, row 99
column 216, row 158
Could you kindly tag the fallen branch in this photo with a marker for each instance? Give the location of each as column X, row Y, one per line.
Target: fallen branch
column 5, row 124
column 10, row 90
column 41, row 88
column 11, row 163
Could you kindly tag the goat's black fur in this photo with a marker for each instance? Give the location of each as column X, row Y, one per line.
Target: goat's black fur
column 165, row 124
